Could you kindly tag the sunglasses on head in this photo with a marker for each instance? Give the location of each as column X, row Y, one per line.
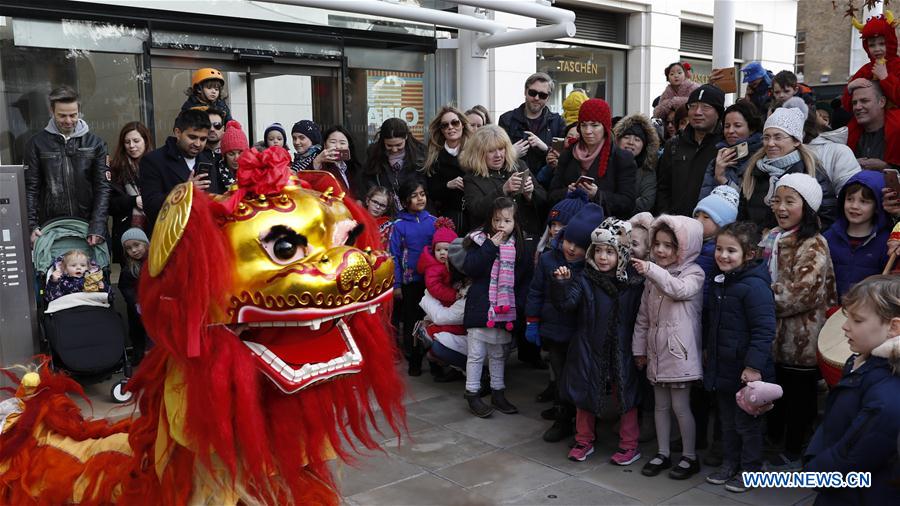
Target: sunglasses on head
column 539, row 94
column 455, row 123
column 218, row 126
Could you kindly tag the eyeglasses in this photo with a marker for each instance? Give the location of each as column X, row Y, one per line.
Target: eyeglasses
column 700, row 105
column 539, row 94
column 378, row 205
column 218, row 126
column 455, row 123
column 776, row 138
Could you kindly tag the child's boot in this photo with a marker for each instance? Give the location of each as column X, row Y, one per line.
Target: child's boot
column 477, row 406
column 498, row 400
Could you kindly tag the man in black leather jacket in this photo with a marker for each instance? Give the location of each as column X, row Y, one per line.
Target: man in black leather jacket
column 532, row 126
column 65, row 170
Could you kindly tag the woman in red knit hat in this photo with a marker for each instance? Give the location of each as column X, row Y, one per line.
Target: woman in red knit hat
column 596, row 165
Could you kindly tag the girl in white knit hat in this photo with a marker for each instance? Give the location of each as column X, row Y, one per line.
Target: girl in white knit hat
column 804, row 287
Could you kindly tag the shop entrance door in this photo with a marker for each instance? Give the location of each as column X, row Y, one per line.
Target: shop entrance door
column 258, row 93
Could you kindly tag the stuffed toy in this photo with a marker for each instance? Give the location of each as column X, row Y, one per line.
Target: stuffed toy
column 757, row 397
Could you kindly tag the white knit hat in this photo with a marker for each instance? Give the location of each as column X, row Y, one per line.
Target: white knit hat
column 789, row 118
column 805, row 185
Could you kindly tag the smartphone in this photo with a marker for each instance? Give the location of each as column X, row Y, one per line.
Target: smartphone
column 344, row 154
column 525, row 175
column 585, row 180
column 559, row 143
column 203, row 168
column 892, row 179
column 742, row 149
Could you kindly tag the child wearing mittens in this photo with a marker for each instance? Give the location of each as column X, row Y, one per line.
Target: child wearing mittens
column 667, row 335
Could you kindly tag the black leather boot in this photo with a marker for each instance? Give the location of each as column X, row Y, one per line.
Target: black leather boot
column 477, row 406
column 498, row 400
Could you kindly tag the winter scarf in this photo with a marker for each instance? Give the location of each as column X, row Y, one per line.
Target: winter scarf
column 586, row 157
column 770, row 249
column 775, row 168
column 303, row 161
column 501, row 292
column 606, row 356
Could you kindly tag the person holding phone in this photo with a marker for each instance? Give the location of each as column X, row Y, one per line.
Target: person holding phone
column 182, row 158
column 339, row 158
column 447, row 136
column 532, row 126
column 742, row 138
column 596, row 165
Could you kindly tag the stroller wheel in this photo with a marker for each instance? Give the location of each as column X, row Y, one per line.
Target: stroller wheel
column 118, row 392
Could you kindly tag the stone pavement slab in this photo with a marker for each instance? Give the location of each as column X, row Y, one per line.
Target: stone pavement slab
column 499, row 430
column 437, row 448
column 375, row 470
column 501, row 475
column 697, row 497
column 629, row 481
column 419, row 490
column 769, row 496
column 573, row 492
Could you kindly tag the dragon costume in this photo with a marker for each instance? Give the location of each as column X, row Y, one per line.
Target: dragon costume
column 271, row 351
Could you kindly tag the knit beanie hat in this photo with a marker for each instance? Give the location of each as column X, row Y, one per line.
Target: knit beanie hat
column 309, row 129
column 637, row 130
column 709, row 94
column 134, row 234
column 568, row 207
column 805, row 185
column 572, row 105
column 789, row 120
column 721, row 205
column 277, row 127
column 615, row 233
column 444, row 231
column 597, row 109
column 582, row 224
column 233, row 138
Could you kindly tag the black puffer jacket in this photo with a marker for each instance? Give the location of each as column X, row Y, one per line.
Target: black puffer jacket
column 679, row 174
column 67, row 177
column 481, row 192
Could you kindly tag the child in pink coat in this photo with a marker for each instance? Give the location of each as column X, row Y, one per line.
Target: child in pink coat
column 678, row 91
column 667, row 334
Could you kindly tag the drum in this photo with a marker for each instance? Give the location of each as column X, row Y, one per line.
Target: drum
column 833, row 349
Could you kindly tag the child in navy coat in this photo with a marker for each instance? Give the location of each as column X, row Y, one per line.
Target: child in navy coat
column 862, row 415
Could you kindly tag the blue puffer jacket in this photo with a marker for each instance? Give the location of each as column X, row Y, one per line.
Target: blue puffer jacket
column 859, row 433
column 734, row 173
column 740, row 327
column 555, row 325
column 707, row 260
column 853, row 265
column 478, row 264
column 585, row 374
column 411, row 233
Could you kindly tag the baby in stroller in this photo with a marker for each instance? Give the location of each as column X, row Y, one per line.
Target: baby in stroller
column 74, row 272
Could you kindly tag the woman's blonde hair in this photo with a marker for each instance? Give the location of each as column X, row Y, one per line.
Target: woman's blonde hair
column 881, row 293
column 486, row 139
column 436, row 138
column 748, row 184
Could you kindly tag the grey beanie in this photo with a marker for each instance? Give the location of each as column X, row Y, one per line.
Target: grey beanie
column 135, row 234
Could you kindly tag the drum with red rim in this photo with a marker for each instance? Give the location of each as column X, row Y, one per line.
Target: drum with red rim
column 833, row 349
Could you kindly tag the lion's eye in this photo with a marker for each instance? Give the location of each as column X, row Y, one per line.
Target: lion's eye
column 284, row 245
column 284, row 249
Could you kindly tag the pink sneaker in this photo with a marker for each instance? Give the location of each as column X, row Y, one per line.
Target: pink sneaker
column 580, row 452
column 625, row 457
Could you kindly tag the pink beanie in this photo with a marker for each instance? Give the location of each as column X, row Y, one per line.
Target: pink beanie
column 444, row 231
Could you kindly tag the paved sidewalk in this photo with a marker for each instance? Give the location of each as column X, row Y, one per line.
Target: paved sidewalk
column 450, row 457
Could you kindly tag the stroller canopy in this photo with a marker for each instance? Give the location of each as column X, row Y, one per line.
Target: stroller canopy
column 62, row 235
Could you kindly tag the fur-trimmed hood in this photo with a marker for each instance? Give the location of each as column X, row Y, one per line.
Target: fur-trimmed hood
column 648, row 158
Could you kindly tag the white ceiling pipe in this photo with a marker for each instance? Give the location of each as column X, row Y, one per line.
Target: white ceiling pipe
column 564, row 22
column 398, row 11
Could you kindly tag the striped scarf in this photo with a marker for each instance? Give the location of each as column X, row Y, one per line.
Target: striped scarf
column 501, row 292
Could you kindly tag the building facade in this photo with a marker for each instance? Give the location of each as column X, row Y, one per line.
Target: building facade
column 132, row 60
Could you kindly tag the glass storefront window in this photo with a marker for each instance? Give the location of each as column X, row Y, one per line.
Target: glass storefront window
column 599, row 72
column 37, row 56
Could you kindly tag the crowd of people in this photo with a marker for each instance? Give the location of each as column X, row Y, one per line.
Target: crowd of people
column 673, row 259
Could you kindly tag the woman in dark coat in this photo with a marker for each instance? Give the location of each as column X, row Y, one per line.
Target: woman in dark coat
column 447, row 137
column 125, row 204
column 612, row 171
column 394, row 156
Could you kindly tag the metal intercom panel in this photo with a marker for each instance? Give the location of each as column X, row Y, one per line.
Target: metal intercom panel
column 18, row 310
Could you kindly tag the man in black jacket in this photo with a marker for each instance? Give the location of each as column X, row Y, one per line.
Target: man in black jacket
column 685, row 158
column 65, row 170
column 531, row 126
column 183, row 158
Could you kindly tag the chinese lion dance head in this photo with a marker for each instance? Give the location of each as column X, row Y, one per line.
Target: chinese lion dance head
column 267, row 309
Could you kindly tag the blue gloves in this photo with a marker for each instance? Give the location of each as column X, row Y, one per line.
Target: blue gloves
column 533, row 334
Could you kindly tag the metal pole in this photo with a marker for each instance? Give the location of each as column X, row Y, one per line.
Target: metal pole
column 472, row 63
column 723, row 37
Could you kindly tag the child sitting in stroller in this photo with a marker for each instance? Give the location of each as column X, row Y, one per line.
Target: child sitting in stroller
column 74, row 272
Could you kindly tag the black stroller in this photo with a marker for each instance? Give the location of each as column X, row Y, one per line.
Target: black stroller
column 83, row 334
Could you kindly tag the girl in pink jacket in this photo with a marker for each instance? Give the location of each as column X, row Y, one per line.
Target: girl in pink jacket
column 667, row 334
